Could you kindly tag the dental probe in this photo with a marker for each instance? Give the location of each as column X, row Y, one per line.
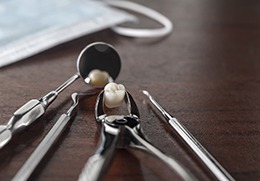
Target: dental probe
column 208, row 160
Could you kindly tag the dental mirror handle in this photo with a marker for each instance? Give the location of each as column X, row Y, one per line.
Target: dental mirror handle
column 29, row 112
column 142, row 144
column 97, row 164
column 207, row 159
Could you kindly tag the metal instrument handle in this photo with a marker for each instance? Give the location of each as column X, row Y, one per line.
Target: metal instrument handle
column 141, row 143
column 24, row 173
column 93, row 169
column 30, row 112
column 49, row 140
column 25, row 116
column 97, row 164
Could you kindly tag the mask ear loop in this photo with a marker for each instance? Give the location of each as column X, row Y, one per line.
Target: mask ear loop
column 150, row 13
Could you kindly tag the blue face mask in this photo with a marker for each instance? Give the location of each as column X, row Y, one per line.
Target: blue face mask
column 31, row 26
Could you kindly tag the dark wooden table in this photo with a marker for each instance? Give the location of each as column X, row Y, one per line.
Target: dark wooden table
column 206, row 73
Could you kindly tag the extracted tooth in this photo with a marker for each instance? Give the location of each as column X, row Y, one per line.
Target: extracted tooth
column 114, row 95
column 98, row 78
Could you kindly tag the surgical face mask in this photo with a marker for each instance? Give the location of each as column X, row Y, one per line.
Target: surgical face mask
column 28, row 27
column 31, row 26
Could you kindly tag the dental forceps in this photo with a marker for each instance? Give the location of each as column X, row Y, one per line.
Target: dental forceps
column 122, row 131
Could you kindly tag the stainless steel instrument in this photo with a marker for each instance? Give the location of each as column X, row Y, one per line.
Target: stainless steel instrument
column 206, row 158
column 122, row 131
column 95, row 56
column 53, row 135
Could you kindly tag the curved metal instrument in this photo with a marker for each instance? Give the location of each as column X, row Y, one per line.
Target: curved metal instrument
column 122, row 131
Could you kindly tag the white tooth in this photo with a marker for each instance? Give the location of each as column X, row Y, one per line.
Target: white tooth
column 98, row 77
column 114, row 95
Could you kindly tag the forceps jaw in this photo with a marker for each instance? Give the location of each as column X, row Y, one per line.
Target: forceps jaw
column 131, row 106
column 99, row 107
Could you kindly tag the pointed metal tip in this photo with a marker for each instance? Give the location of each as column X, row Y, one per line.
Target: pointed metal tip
column 145, row 92
column 75, row 98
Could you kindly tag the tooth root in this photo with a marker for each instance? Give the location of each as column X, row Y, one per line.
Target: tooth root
column 114, row 95
column 98, row 77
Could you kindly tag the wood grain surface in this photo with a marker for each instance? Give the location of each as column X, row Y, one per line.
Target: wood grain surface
column 206, row 74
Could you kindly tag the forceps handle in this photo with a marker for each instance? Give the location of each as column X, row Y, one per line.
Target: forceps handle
column 93, row 169
column 27, row 169
column 97, row 164
column 143, row 144
column 208, row 160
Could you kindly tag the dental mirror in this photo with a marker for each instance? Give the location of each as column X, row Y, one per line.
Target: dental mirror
column 105, row 59
column 98, row 56
column 97, row 60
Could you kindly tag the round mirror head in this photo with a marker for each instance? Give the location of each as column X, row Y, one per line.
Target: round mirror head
column 98, row 64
